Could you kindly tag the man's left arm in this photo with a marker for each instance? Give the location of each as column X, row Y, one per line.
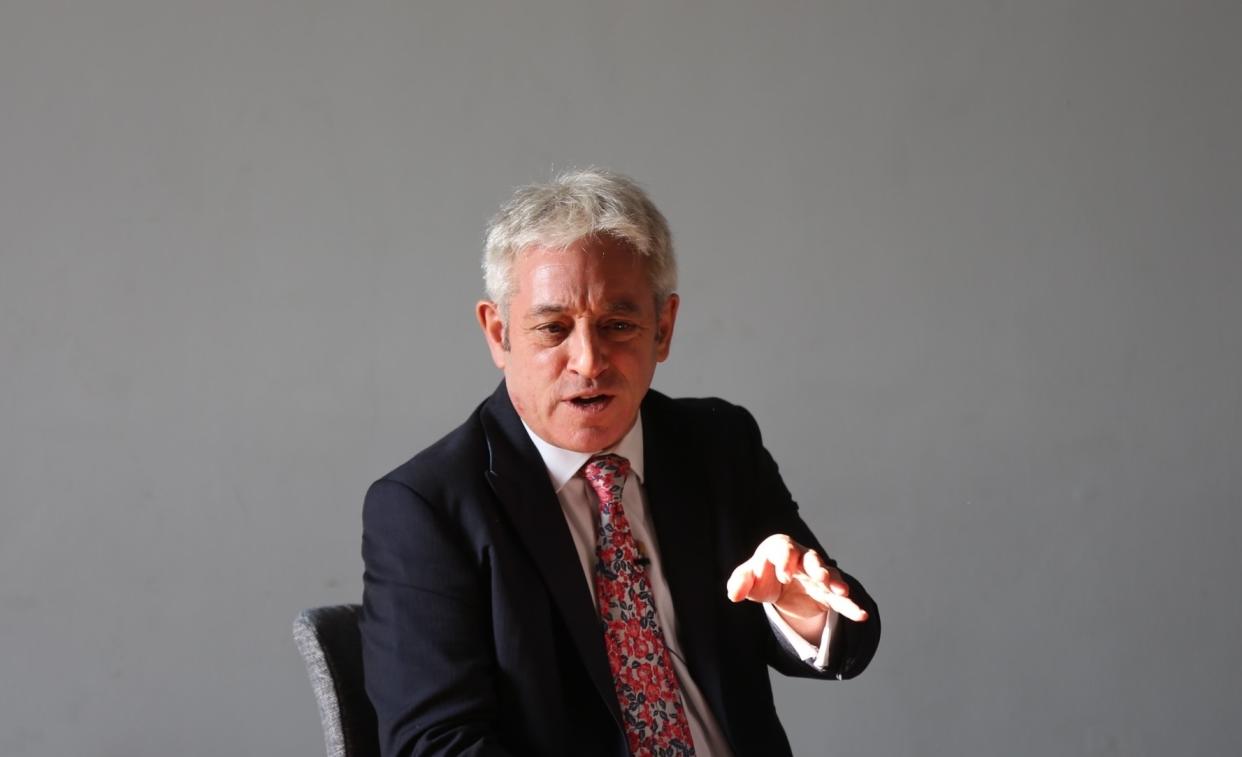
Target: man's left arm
column 791, row 572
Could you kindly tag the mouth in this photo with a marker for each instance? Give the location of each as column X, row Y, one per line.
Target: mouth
column 591, row 402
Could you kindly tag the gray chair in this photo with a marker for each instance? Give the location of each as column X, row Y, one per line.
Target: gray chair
column 331, row 647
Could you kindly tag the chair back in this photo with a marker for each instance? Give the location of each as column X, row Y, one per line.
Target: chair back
column 331, row 647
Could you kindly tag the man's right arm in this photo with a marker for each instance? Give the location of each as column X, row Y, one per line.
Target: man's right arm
column 426, row 645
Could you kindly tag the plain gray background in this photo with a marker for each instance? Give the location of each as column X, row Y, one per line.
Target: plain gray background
column 975, row 267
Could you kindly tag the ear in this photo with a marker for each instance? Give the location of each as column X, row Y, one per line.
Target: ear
column 493, row 327
column 665, row 321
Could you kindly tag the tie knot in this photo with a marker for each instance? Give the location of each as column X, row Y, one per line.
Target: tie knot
column 606, row 475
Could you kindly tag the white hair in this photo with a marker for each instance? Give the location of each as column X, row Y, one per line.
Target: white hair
column 572, row 206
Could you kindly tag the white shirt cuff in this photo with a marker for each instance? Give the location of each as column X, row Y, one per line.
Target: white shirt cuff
column 815, row 656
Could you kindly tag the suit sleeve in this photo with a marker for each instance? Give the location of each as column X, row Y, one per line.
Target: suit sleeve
column 853, row 644
column 426, row 656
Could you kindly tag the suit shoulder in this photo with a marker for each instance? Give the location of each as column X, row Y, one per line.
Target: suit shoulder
column 453, row 457
column 702, row 412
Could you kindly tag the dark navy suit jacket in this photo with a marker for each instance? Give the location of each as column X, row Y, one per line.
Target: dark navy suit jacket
column 479, row 634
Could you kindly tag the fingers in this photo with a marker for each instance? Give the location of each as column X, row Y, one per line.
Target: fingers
column 776, row 563
column 813, row 566
column 781, row 571
column 783, row 554
column 847, row 607
column 740, row 582
column 826, row 586
column 834, row 593
column 754, row 579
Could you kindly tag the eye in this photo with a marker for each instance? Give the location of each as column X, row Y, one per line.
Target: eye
column 551, row 332
column 619, row 328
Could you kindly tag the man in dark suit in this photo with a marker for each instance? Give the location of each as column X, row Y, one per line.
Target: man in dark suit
column 585, row 566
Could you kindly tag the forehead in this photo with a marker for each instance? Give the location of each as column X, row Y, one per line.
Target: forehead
column 588, row 273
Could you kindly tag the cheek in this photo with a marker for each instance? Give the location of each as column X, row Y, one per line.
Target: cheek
column 637, row 363
column 548, row 364
column 539, row 375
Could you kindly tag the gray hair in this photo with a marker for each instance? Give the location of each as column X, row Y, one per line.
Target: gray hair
column 572, row 206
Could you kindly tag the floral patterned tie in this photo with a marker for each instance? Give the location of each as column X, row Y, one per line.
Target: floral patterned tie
column 647, row 688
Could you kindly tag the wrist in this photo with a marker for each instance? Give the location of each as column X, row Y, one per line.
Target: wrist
column 807, row 623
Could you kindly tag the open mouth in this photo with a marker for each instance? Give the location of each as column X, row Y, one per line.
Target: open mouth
column 593, row 400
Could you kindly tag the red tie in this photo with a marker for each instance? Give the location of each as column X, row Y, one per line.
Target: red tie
column 647, row 688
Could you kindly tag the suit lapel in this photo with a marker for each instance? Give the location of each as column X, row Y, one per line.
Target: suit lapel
column 684, row 525
column 519, row 478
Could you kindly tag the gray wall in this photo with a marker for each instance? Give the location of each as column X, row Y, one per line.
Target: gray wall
column 975, row 266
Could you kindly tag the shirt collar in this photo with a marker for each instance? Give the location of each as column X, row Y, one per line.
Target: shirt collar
column 564, row 464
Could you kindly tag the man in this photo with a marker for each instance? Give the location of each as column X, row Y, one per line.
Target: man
column 587, row 567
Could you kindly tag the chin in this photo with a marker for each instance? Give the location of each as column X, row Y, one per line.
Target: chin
column 591, row 440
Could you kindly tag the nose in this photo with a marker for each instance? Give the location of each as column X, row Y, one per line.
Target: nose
column 587, row 357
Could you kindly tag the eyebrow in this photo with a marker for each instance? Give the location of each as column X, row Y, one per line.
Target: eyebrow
column 620, row 307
